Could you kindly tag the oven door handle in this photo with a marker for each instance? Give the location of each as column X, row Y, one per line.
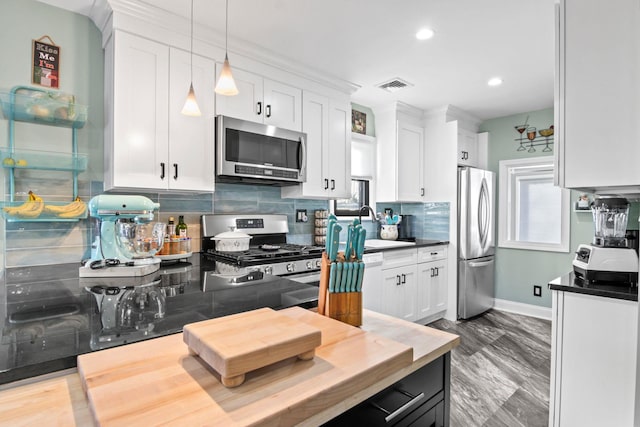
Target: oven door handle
column 249, row 277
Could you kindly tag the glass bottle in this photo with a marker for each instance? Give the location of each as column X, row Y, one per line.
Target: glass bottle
column 171, row 228
column 181, row 228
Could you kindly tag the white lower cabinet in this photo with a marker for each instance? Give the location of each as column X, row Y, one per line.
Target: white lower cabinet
column 432, row 292
column 593, row 360
column 413, row 284
column 399, row 290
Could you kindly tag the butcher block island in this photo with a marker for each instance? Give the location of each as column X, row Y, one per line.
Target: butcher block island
column 160, row 382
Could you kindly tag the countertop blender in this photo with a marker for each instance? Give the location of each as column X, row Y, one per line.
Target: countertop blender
column 128, row 238
column 609, row 258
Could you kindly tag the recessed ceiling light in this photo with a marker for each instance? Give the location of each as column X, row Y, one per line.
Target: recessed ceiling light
column 496, row 81
column 424, row 34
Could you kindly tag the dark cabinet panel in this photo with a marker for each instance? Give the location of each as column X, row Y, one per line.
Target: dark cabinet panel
column 420, row 399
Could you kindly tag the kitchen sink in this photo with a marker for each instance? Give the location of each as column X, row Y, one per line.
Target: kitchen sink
column 382, row 244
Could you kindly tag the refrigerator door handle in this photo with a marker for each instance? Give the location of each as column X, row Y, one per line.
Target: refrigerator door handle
column 483, row 213
column 480, row 264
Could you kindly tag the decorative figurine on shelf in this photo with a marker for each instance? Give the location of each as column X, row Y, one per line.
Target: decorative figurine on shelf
column 583, row 202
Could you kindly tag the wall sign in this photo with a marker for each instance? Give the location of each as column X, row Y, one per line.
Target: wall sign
column 46, row 63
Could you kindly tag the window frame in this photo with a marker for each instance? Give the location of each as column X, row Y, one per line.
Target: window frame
column 350, row 213
column 511, row 172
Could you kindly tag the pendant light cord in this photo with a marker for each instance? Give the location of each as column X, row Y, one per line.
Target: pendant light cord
column 226, row 28
column 191, row 60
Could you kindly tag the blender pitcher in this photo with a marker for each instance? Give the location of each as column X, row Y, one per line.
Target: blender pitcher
column 610, row 220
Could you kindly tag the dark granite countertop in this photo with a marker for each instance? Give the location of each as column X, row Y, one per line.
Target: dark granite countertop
column 569, row 283
column 49, row 315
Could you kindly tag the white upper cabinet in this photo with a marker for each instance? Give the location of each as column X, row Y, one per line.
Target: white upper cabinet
column 467, row 148
column 472, row 148
column 137, row 125
column 262, row 100
column 327, row 125
column 191, row 139
column 596, row 93
column 401, row 155
column 148, row 143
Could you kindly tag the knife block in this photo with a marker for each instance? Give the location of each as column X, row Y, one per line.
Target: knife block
column 343, row 306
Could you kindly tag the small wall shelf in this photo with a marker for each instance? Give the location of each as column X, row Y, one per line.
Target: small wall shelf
column 42, row 107
column 43, row 160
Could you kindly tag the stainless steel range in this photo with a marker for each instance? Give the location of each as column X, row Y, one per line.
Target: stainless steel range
column 268, row 254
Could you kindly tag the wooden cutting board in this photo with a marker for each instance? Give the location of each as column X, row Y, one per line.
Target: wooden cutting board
column 159, row 382
column 243, row 342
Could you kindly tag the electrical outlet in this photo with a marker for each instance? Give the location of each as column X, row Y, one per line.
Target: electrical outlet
column 301, row 215
column 537, row 291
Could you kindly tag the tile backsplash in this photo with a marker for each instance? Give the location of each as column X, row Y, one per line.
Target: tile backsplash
column 46, row 243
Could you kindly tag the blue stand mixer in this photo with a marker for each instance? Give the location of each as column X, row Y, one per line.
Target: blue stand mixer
column 128, row 239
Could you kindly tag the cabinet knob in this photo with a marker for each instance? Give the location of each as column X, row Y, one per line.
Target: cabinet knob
column 268, row 110
column 404, row 278
column 326, row 184
column 398, row 280
column 333, row 184
column 422, row 191
column 175, row 171
column 259, row 108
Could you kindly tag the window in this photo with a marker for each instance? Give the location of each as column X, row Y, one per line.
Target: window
column 534, row 214
column 359, row 198
column 363, row 166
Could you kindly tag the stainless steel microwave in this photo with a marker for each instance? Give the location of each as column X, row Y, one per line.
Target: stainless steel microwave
column 256, row 153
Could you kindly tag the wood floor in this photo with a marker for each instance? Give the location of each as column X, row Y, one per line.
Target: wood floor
column 500, row 371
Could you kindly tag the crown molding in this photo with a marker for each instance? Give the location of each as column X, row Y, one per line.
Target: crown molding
column 449, row 113
column 136, row 17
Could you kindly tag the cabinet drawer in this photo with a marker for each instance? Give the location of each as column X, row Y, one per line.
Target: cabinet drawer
column 432, row 253
column 407, row 402
column 399, row 258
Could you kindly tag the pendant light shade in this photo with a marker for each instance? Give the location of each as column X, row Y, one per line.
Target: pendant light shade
column 191, row 105
column 226, row 85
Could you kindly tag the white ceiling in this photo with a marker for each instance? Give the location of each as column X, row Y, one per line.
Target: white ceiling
column 367, row 42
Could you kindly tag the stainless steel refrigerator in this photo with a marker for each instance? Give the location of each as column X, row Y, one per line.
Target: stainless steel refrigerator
column 476, row 241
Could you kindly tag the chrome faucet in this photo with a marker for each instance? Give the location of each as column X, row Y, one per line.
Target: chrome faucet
column 367, row 208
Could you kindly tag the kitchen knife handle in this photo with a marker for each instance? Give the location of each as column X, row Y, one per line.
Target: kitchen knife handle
column 175, row 171
column 326, row 184
column 259, row 108
column 267, row 110
column 162, row 170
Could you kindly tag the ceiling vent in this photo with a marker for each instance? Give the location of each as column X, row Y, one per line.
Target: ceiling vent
column 394, row 85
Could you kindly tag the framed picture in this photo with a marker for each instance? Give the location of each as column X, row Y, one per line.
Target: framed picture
column 46, row 63
column 358, row 122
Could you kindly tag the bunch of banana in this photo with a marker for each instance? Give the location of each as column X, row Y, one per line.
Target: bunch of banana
column 74, row 209
column 32, row 208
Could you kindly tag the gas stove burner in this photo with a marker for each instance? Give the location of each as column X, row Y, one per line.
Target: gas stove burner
column 267, row 247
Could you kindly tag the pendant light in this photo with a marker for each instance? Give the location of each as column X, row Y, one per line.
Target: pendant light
column 226, row 86
column 191, row 105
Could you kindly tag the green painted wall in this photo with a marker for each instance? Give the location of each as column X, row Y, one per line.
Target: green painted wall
column 518, row 270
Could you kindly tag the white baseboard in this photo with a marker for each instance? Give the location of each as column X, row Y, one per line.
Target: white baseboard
column 522, row 308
